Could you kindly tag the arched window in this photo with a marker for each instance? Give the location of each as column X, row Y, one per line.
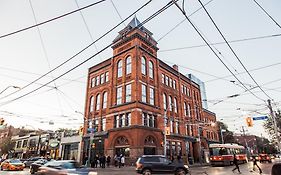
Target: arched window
column 119, row 68
column 91, row 104
column 171, row 103
column 143, row 65
column 128, row 65
column 165, row 101
column 151, row 72
column 149, row 140
column 104, row 100
column 98, row 102
column 176, row 105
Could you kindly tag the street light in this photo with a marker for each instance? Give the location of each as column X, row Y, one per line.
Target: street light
column 16, row 87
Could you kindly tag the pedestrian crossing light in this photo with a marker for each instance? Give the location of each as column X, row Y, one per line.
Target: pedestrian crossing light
column 2, row 121
column 167, row 130
column 249, row 122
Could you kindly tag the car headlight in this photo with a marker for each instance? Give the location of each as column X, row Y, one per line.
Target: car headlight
column 186, row 166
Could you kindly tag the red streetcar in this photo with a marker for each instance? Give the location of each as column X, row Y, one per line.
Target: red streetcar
column 223, row 154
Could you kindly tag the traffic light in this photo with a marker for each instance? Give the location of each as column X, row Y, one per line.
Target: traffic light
column 249, row 122
column 93, row 145
column 2, row 121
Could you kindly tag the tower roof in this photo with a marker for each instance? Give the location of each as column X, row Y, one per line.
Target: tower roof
column 133, row 24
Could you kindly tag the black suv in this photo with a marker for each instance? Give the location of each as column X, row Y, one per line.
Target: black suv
column 148, row 164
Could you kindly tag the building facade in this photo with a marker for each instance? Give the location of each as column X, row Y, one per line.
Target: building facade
column 129, row 96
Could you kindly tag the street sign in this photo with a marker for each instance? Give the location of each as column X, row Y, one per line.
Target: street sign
column 260, row 118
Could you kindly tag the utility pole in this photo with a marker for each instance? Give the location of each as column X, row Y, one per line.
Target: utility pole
column 274, row 124
column 244, row 136
column 165, row 137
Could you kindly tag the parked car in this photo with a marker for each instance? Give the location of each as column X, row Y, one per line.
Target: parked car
column 63, row 167
column 150, row 164
column 265, row 158
column 29, row 161
column 12, row 165
column 34, row 167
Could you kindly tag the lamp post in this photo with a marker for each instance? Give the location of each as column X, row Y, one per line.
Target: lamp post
column 16, row 87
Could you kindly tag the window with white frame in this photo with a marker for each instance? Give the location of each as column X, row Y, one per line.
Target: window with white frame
column 93, row 82
column 166, row 80
column 148, row 120
column 170, row 103
column 101, row 78
column 128, row 93
column 185, row 108
column 171, row 82
column 165, row 101
column 97, row 80
column 103, row 124
column 176, row 105
column 106, row 76
column 177, row 127
column 119, row 69
column 98, row 102
column 143, row 93
column 163, row 78
column 92, row 103
column 151, row 96
column 143, row 65
column 104, row 100
column 188, row 110
column 128, row 65
column 174, row 84
column 171, row 126
column 151, row 69
column 119, row 96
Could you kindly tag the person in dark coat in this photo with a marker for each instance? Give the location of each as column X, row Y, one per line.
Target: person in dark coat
column 255, row 164
column 103, row 160
column 276, row 169
column 108, row 159
column 235, row 163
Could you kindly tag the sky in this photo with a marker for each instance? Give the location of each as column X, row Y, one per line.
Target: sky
column 27, row 55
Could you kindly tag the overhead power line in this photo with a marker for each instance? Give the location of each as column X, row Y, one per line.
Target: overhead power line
column 232, row 50
column 50, row 20
column 108, row 46
column 184, row 13
column 267, row 14
column 78, row 53
column 217, row 43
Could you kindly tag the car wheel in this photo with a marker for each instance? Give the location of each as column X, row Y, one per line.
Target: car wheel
column 180, row 172
column 146, row 172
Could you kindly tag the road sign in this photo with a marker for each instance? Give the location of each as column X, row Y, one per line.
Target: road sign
column 260, row 118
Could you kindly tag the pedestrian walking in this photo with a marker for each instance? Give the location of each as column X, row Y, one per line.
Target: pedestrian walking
column 235, row 162
column 116, row 161
column 179, row 158
column 255, row 164
column 119, row 160
column 123, row 160
column 108, row 159
column 102, row 161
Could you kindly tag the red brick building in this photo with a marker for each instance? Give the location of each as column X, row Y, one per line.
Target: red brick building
column 128, row 94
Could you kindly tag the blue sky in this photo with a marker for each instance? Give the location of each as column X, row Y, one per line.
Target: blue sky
column 23, row 59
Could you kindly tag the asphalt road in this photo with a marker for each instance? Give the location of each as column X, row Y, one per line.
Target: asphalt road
column 205, row 170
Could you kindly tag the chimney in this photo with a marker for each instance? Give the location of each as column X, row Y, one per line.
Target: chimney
column 176, row 67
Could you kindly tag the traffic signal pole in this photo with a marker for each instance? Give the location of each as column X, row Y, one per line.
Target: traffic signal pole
column 274, row 124
column 165, row 137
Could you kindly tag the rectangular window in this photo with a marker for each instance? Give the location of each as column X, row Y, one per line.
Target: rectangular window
column 93, row 81
column 128, row 119
column 120, row 120
column 103, row 124
column 101, row 78
column 151, row 96
column 24, row 144
column 144, row 119
column 177, row 127
column 116, row 121
column 174, row 84
column 171, row 82
column 182, row 89
column 106, row 76
column 143, row 93
column 187, row 92
column 167, row 80
column 163, row 79
column 97, row 80
column 128, row 93
column 171, row 126
column 119, row 96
